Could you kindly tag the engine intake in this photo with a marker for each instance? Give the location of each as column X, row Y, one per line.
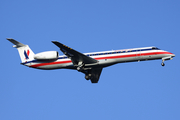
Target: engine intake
column 48, row 55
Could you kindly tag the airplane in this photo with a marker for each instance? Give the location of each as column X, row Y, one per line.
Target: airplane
column 91, row 64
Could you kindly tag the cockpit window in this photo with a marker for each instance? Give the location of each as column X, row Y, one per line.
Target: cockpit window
column 155, row 48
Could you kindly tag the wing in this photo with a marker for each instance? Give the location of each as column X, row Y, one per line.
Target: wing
column 78, row 58
column 96, row 72
column 75, row 56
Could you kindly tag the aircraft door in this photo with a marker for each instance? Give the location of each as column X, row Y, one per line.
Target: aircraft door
column 138, row 53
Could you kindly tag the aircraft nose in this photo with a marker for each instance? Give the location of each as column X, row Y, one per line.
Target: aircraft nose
column 173, row 55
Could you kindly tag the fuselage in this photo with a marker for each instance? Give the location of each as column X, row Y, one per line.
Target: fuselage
column 91, row 64
column 105, row 58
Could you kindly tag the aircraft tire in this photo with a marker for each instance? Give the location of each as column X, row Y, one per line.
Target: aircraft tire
column 162, row 64
column 88, row 76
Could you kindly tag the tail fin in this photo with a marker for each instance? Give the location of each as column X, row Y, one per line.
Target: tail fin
column 26, row 54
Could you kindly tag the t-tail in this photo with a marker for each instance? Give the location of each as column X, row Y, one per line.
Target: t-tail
column 26, row 54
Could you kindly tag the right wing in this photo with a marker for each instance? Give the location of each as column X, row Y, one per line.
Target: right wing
column 78, row 58
column 96, row 72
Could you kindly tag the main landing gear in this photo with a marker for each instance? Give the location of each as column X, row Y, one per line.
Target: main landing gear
column 88, row 76
column 80, row 66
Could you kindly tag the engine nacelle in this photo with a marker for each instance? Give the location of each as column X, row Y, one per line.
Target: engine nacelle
column 48, row 55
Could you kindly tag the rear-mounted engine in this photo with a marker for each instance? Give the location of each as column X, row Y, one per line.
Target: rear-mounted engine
column 48, row 55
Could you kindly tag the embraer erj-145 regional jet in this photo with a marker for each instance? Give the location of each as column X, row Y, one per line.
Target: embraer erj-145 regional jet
column 91, row 64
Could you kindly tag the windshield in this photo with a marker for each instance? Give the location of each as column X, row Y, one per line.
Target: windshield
column 155, row 48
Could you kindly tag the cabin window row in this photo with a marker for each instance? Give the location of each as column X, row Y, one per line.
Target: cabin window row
column 123, row 51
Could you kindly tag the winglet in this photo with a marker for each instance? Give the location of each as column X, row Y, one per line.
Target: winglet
column 16, row 43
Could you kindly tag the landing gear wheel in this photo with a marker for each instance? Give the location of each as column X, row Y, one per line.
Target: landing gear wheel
column 87, row 77
column 162, row 64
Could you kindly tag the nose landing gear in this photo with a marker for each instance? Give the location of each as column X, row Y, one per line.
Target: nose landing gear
column 162, row 64
column 166, row 58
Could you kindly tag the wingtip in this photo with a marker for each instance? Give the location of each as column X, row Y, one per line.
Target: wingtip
column 9, row 39
column 54, row 41
column 57, row 43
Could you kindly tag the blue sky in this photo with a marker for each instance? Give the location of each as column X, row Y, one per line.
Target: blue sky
column 129, row 91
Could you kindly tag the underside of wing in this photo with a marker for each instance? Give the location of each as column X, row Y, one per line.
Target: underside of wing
column 80, row 61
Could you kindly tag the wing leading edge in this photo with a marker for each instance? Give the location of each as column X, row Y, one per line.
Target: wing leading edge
column 74, row 55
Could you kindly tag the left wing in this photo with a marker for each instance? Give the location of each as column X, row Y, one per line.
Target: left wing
column 79, row 59
column 75, row 56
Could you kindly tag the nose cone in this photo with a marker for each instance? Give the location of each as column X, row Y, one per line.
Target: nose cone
column 173, row 55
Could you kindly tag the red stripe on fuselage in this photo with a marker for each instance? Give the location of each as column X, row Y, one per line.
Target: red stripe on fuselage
column 51, row 63
column 100, row 58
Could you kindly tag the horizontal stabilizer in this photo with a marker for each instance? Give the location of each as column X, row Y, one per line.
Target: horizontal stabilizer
column 16, row 43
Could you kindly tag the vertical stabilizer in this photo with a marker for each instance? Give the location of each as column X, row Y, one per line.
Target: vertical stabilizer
column 26, row 54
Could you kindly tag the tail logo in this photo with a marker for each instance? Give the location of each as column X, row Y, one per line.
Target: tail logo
column 26, row 54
